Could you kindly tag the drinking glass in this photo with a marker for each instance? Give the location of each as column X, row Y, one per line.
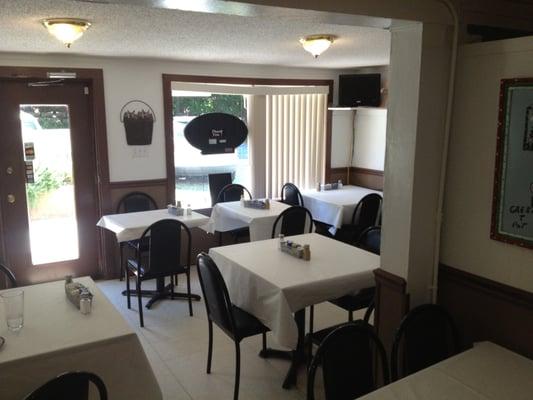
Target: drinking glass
column 14, row 309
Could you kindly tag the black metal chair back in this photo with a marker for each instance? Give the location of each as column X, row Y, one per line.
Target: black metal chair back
column 368, row 210
column 370, row 240
column 135, row 202
column 232, row 192
column 217, row 301
column 165, row 239
column 10, row 276
column 216, row 183
column 348, row 356
column 290, row 194
column 69, row 386
column 426, row 336
column 294, row 220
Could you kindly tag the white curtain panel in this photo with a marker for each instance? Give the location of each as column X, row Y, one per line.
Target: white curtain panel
column 295, row 141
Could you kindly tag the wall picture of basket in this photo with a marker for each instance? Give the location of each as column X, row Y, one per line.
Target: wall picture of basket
column 138, row 122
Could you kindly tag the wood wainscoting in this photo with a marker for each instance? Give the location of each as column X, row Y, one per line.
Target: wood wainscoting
column 487, row 310
column 369, row 178
column 392, row 303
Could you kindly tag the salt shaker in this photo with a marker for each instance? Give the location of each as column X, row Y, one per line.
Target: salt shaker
column 85, row 304
column 339, row 184
column 281, row 240
column 189, row 209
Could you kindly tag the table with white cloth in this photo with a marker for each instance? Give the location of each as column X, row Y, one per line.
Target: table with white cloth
column 233, row 215
column 131, row 226
column 335, row 207
column 57, row 338
column 485, row 372
column 276, row 287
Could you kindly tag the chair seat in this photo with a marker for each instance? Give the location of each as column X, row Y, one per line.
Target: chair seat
column 354, row 302
column 349, row 233
column 145, row 275
column 246, row 324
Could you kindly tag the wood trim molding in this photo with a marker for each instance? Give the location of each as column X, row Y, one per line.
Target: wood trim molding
column 487, row 310
column 392, row 303
column 94, row 78
column 366, row 171
column 167, row 107
column 136, row 184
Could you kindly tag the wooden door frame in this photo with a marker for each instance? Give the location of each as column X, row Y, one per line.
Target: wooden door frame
column 94, row 78
column 167, row 109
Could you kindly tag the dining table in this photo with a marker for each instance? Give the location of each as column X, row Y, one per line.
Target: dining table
column 233, row 215
column 334, row 207
column 130, row 226
column 485, row 372
column 57, row 338
column 276, row 287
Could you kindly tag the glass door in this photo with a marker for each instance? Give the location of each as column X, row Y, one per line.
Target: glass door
column 47, row 163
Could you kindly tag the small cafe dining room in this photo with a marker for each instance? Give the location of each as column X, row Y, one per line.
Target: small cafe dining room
column 266, row 200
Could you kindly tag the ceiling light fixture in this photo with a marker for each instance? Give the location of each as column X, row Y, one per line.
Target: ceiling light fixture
column 66, row 30
column 317, row 44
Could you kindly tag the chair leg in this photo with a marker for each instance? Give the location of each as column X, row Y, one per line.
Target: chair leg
column 121, row 260
column 264, row 341
column 189, row 291
column 139, row 298
column 237, row 370
column 128, row 296
column 220, row 238
column 350, row 316
column 311, row 319
column 210, row 347
column 175, row 280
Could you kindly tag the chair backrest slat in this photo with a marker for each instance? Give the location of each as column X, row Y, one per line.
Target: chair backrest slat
column 368, row 210
column 294, row 220
column 350, row 356
column 370, row 240
column 216, row 296
column 290, row 194
column 135, row 202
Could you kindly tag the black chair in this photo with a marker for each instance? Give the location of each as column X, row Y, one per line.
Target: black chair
column 69, row 386
column 426, row 336
column 10, row 276
column 163, row 258
column 290, row 194
column 370, row 240
column 216, row 183
column 134, row 202
column 235, row 322
column 367, row 213
column 350, row 358
column 294, row 220
column 233, row 192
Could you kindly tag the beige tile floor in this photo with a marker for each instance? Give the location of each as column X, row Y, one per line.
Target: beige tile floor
column 176, row 346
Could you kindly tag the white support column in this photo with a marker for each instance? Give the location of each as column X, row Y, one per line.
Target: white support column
column 257, row 143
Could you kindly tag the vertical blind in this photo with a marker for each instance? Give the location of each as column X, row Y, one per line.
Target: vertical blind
column 295, row 141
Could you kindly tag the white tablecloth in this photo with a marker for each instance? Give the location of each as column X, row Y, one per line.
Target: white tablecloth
column 130, row 226
column 335, row 207
column 486, row 372
column 232, row 215
column 57, row 338
column 272, row 285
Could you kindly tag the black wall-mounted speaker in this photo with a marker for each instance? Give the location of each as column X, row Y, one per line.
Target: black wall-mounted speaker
column 360, row 90
column 216, row 133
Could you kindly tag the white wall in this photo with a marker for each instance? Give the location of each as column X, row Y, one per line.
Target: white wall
column 370, row 138
column 127, row 78
column 342, row 124
column 468, row 203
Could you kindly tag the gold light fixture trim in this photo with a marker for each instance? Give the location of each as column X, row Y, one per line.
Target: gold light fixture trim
column 66, row 30
column 317, row 44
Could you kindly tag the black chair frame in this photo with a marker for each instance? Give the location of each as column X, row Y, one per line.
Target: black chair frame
column 221, row 198
column 350, row 233
column 294, row 210
column 69, row 386
column 138, row 268
column 346, row 332
column 399, row 371
column 296, row 193
column 224, row 314
column 10, row 276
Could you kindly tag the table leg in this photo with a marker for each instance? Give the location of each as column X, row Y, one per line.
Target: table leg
column 297, row 356
column 162, row 292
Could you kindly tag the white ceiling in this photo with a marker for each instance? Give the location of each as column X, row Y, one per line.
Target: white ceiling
column 136, row 31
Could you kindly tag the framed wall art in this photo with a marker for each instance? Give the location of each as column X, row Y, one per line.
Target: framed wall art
column 512, row 207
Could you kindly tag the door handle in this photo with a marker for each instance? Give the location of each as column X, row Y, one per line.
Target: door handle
column 10, row 198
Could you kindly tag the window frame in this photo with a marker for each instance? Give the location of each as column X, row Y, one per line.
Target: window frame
column 167, row 109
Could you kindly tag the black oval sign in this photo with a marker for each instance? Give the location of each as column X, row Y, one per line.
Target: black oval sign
column 216, row 133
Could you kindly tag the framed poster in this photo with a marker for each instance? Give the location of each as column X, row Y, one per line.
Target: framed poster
column 512, row 206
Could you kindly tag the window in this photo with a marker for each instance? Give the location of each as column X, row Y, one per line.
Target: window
column 192, row 168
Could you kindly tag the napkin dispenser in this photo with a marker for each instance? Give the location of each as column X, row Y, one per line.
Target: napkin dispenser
column 177, row 211
column 258, row 204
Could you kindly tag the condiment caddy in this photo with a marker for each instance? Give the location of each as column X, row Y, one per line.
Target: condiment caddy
column 295, row 249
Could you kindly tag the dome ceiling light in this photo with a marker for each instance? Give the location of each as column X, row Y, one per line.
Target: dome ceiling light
column 66, row 30
column 317, row 44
